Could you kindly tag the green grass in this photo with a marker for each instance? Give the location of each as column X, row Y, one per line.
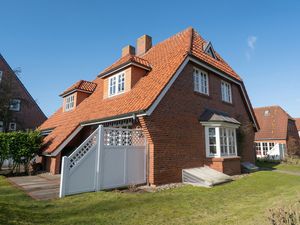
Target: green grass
column 244, row 201
column 279, row 166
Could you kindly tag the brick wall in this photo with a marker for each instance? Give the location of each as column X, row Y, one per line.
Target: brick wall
column 293, row 141
column 175, row 136
column 30, row 116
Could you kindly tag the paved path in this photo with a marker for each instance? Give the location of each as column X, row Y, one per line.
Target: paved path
column 40, row 187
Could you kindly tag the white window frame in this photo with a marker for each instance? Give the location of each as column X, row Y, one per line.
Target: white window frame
column 18, row 105
column 69, row 102
column 264, row 148
column 201, row 81
column 1, row 126
column 14, row 126
column 116, row 84
column 227, row 127
column 226, row 91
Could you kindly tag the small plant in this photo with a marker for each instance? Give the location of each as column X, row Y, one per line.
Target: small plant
column 292, row 160
column 289, row 215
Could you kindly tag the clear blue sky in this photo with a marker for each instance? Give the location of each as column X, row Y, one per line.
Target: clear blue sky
column 57, row 43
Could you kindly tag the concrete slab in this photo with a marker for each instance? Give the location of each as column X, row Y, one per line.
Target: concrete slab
column 40, row 187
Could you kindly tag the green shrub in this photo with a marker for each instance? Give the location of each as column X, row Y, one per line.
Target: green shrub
column 286, row 215
column 21, row 147
column 4, row 149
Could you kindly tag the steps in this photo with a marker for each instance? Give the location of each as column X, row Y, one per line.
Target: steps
column 204, row 176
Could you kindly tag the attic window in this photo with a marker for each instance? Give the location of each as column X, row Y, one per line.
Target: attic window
column 208, row 49
column 69, row 102
column 116, row 84
column 267, row 113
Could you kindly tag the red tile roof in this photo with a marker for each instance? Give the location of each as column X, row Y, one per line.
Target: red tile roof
column 81, row 85
column 273, row 122
column 125, row 61
column 164, row 59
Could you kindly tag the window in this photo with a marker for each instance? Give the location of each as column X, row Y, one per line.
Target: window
column 226, row 92
column 267, row 113
column 220, row 141
column 257, row 148
column 116, row 84
column 200, row 81
column 1, row 75
column 265, row 148
column 271, row 145
column 69, row 102
column 12, row 126
column 15, row 105
column 212, row 144
column 1, row 126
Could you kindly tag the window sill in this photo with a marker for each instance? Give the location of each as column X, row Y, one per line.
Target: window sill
column 221, row 159
column 227, row 103
column 202, row 95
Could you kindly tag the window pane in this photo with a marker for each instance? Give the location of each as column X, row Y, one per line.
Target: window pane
column 200, row 81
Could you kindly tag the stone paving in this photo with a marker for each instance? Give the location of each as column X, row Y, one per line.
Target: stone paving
column 39, row 187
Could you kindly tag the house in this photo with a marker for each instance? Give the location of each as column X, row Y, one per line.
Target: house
column 298, row 125
column 18, row 110
column 189, row 103
column 278, row 133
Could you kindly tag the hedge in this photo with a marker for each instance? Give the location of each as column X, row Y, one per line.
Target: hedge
column 21, row 147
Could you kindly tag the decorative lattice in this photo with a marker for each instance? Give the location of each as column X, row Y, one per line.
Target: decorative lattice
column 84, row 148
column 123, row 137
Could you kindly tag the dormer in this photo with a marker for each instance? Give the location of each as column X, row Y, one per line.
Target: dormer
column 128, row 70
column 208, row 49
column 75, row 94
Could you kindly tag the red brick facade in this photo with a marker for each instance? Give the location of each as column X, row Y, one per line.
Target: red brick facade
column 30, row 115
column 176, row 138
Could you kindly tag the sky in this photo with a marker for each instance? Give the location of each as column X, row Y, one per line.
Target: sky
column 56, row 43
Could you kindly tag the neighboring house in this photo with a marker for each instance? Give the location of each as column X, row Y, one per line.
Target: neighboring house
column 18, row 110
column 191, row 106
column 298, row 125
column 278, row 132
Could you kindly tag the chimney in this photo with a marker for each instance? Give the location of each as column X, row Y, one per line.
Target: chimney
column 128, row 50
column 143, row 44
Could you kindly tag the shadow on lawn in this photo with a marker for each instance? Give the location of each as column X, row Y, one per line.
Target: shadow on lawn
column 267, row 165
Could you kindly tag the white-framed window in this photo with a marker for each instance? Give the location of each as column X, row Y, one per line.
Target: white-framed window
column 1, row 126
column 263, row 148
column 15, row 105
column 226, row 92
column 1, row 75
column 69, row 102
column 116, row 84
column 12, row 126
column 200, row 81
column 220, row 140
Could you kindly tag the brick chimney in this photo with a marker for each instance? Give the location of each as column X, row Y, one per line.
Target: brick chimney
column 128, row 50
column 143, row 44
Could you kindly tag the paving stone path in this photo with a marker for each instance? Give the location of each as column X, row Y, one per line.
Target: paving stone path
column 39, row 187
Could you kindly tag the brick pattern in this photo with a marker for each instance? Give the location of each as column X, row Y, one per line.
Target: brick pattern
column 176, row 138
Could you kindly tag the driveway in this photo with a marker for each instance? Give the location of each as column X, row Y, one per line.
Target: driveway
column 39, row 187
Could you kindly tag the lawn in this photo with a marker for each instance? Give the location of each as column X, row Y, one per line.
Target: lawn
column 244, row 201
column 279, row 166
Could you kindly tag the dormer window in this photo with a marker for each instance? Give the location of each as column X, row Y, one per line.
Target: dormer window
column 116, row 84
column 69, row 102
column 208, row 49
column 267, row 113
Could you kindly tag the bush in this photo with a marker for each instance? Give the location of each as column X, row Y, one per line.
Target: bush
column 292, row 160
column 285, row 215
column 21, row 147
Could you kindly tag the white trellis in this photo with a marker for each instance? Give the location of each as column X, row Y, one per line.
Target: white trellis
column 108, row 158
